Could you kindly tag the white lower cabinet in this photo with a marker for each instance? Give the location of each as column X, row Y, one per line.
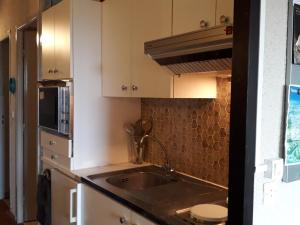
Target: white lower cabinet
column 65, row 199
column 137, row 219
column 98, row 209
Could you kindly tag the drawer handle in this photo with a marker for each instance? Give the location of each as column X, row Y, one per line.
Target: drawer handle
column 73, row 219
column 123, row 220
column 52, row 143
column 53, row 157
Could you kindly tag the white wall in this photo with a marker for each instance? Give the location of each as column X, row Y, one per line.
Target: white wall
column 285, row 209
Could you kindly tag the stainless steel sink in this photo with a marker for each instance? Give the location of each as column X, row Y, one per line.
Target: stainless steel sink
column 139, row 180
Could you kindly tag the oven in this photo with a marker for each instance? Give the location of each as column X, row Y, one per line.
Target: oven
column 55, row 108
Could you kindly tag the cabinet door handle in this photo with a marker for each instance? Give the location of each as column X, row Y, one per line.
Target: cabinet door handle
column 50, row 71
column 73, row 219
column 134, row 87
column 123, row 220
column 124, row 88
column 203, row 24
column 224, row 19
column 55, row 71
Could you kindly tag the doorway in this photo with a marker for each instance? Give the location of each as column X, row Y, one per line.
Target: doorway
column 4, row 121
column 27, row 150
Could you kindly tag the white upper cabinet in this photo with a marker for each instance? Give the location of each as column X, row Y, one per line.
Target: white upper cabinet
column 56, row 42
column 62, row 25
column 151, row 20
column 191, row 15
column 126, row 70
column 47, row 44
column 224, row 12
column 116, row 48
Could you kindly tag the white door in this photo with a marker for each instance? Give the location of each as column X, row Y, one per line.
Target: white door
column 224, row 12
column 47, row 40
column 137, row 219
column 97, row 209
column 64, row 203
column 116, row 48
column 151, row 20
column 62, row 37
column 191, row 15
column 2, row 146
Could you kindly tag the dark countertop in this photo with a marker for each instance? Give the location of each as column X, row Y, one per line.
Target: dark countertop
column 159, row 204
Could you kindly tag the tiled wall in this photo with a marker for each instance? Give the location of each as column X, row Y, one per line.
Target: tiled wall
column 195, row 131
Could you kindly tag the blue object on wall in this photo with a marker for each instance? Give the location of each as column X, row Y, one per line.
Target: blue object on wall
column 12, row 85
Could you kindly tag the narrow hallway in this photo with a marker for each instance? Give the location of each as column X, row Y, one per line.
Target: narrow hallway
column 5, row 216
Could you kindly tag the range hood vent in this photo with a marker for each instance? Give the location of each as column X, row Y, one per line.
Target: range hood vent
column 200, row 51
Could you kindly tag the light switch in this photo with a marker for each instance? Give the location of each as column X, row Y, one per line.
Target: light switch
column 274, row 169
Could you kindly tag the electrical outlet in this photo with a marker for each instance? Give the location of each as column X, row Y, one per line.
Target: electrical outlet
column 270, row 192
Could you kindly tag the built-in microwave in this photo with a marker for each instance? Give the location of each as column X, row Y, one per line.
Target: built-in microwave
column 56, row 107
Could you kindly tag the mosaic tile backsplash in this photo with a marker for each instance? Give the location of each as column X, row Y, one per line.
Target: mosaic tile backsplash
column 195, row 132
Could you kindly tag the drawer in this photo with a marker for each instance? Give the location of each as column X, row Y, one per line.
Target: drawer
column 61, row 160
column 57, row 144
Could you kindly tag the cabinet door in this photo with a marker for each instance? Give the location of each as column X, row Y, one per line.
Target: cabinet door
column 191, row 15
column 62, row 24
column 63, row 193
column 137, row 219
column 151, row 20
column 224, row 11
column 116, row 48
column 98, row 209
column 47, row 41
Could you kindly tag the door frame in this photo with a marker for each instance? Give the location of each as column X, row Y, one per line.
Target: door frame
column 7, row 38
column 19, row 118
column 245, row 72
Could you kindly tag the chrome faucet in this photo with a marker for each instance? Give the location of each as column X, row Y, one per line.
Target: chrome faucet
column 162, row 146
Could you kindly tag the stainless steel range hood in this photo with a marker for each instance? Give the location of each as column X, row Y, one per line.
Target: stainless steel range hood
column 200, row 51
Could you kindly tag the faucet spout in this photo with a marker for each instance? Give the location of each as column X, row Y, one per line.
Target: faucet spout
column 162, row 146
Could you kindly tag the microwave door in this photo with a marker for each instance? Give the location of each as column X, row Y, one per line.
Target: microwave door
column 48, row 108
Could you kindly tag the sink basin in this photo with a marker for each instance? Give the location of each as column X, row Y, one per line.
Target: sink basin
column 139, row 180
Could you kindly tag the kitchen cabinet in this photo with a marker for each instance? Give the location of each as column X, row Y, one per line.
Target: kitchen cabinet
column 224, row 12
column 191, row 15
column 56, row 42
column 137, row 219
column 98, row 209
column 126, row 70
column 65, row 199
column 116, row 48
